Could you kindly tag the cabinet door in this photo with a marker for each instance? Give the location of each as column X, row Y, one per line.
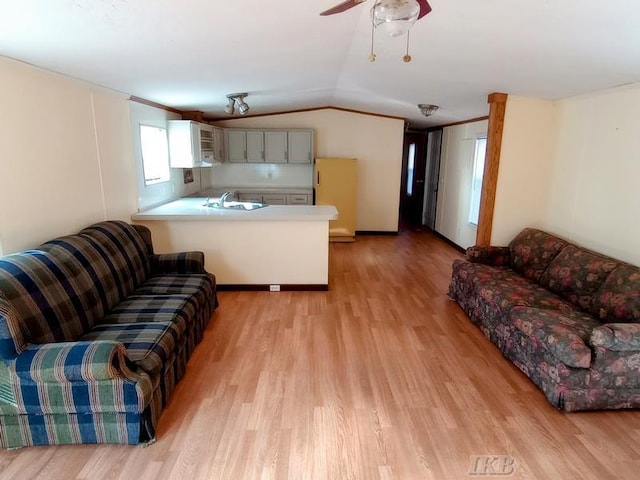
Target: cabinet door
column 236, row 146
column 250, row 197
column 300, row 146
column 275, row 147
column 255, row 146
column 218, row 144
column 274, row 199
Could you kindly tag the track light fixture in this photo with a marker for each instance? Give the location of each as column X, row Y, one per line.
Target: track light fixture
column 236, row 99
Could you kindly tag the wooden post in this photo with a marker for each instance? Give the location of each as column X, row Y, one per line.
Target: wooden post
column 497, row 106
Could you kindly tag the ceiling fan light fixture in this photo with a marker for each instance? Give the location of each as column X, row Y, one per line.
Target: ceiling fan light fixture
column 427, row 109
column 395, row 17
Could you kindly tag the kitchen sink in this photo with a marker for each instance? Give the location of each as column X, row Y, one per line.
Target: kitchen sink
column 233, row 205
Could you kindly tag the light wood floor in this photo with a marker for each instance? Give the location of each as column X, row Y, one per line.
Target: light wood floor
column 382, row 377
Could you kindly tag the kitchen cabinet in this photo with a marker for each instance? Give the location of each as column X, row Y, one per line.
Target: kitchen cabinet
column 276, row 198
column 218, row 144
column 300, row 146
column 190, row 144
column 269, row 146
column 275, row 146
column 255, row 146
column 236, row 146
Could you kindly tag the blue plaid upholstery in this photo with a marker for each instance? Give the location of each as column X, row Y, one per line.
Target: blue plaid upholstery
column 91, row 343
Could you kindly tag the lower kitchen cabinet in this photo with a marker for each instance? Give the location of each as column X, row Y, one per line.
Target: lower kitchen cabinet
column 276, row 198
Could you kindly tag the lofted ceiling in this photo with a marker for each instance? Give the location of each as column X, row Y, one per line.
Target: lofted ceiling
column 189, row 54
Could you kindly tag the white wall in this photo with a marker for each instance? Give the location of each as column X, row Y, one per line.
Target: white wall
column 454, row 185
column 65, row 160
column 375, row 141
column 152, row 195
column 594, row 195
column 522, row 192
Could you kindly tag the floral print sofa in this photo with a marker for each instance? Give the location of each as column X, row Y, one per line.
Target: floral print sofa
column 569, row 318
column 95, row 332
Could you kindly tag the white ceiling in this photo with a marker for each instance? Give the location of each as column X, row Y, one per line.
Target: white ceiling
column 189, row 54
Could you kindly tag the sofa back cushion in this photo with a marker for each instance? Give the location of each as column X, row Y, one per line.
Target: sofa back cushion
column 52, row 299
column 124, row 250
column 532, row 251
column 576, row 274
column 618, row 299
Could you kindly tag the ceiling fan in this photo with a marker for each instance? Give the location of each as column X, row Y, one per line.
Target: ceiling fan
column 393, row 17
column 346, row 5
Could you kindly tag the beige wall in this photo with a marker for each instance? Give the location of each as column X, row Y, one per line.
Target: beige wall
column 65, row 158
column 594, row 195
column 571, row 167
column 375, row 141
column 454, row 185
column 523, row 189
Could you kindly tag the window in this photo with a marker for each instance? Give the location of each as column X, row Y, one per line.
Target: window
column 476, row 181
column 410, row 166
column 155, row 154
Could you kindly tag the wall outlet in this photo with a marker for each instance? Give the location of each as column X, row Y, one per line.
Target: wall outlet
column 274, row 288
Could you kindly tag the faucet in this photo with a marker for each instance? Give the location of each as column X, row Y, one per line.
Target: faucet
column 224, row 197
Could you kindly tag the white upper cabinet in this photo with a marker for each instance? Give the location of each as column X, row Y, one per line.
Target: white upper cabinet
column 300, row 146
column 218, row 144
column 255, row 146
column 236, row 146
column 275, row 146
column 269, row 146
column 190, row 144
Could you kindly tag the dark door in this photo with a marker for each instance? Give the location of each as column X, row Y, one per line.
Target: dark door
column 434, row 143
column 413, row 174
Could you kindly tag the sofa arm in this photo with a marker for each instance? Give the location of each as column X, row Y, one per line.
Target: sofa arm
column 617, row 337
column 494, row 256
column 74, row 361
column 184, row 262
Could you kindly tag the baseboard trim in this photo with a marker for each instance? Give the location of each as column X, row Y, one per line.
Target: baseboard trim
column 450, row 242
column 376, row 232
column 291, row 287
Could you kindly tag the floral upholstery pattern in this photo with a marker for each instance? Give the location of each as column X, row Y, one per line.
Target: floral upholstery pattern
column 494, row 256
column 532, row 251
column 618, row 300
column 575, row 274
column 544, row 310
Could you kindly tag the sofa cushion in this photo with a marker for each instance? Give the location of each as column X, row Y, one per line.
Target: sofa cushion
column 189, row 284
column 532, row 251
column 564, row 334
column 507, row 289
column 124, row 250
column 177, row 308
column 575, row 274
column 53, row 298
column 151, row 345
column 618, row 299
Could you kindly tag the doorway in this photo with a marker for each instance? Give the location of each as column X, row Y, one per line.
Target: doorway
column 419, row 185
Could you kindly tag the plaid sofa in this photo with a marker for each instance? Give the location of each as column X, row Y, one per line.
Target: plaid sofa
column 95, row 332
column 569, row 318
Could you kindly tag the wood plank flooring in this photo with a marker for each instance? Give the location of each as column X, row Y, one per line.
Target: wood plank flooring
column 382, row 377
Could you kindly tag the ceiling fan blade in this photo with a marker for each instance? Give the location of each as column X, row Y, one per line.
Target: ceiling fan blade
column 424, row 8
column 342, row 7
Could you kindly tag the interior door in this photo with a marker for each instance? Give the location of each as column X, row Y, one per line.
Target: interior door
column 434, row 145
column 413, row 175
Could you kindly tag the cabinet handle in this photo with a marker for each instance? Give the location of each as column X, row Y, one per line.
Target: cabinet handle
column 318, row 178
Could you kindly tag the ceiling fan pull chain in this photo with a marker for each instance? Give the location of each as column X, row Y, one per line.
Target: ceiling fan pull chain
column 407, row 57
column 372, row 56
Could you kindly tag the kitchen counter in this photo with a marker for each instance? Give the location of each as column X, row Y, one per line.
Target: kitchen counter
column 193, row 209
column 279, row 245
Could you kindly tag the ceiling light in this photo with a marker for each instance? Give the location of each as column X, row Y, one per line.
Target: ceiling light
column 427, row 110
column 236, row 99
column 395, row 17
column 230, row 105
